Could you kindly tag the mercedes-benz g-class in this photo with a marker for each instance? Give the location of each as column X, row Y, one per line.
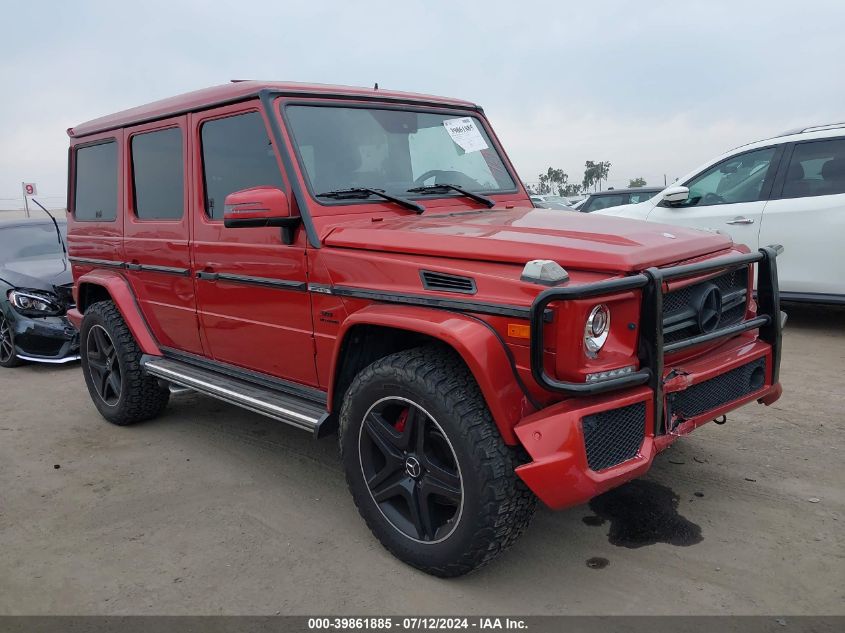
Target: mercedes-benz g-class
column 368, row 263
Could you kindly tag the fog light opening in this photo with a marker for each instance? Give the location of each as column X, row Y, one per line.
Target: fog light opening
column 758, row 378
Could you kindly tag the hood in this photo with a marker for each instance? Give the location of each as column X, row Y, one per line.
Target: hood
column 576, row 240
column 37, row 274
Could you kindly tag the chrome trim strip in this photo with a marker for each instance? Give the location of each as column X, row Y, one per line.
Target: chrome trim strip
column 49, row 361
column 268, row 282
column 479, row 307
column 110, row 263
column 171, row 270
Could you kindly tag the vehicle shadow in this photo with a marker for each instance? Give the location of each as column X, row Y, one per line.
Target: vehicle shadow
column 806, row 316
column 563, row 543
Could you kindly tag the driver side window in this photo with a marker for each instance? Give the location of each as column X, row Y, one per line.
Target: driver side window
column 736, row 179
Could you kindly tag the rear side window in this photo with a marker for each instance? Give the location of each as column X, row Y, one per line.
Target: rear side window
column 236, row 154
column 95, row 191
column 816, row 168
column 157, row 175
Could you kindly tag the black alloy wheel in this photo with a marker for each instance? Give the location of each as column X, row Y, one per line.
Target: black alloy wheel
column 411, row 470
column 103, row 365
column 8, row 358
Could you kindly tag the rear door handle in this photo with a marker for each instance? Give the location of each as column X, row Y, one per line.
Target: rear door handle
column 741, row 220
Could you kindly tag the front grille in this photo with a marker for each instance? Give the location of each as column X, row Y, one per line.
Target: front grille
column 680, row 315
column 41, row 346
column 713, row 393
column 615, row 436
column 65, row 293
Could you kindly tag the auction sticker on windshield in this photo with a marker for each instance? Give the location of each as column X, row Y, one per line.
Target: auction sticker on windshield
column 465, row 134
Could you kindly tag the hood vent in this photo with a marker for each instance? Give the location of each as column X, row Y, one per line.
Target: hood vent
column 444, row 282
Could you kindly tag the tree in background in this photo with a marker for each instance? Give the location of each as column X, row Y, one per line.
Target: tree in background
column 595, row 173
column 637, row 182
column 571, row 189
column 554, row 181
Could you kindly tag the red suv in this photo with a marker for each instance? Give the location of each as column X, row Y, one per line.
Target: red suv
column 368, row 262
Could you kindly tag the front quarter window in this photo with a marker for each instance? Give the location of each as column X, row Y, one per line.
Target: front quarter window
column 736, row 179
column 391, row 150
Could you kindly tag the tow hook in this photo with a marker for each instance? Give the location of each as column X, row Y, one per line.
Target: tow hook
column 721, row 419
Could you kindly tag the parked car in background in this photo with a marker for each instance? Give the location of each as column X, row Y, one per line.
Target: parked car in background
column 546, row 201
column 787, row 190
column 35, row 294
column 615, row 197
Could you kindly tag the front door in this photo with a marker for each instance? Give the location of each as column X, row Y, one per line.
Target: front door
column 729, row 197
column 156, row 231
column 807, row 216
column 251, row 288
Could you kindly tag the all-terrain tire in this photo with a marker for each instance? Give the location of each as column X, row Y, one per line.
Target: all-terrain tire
column 497, row 506
column 141, row 397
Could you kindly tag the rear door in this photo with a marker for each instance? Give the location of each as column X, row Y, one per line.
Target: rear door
column 807, row 216
column 255, row 311
column 728, row 196
column 156, row 231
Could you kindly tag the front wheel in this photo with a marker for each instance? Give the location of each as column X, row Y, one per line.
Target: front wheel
column 111, row 364
column 426, row 465
column 8, row 358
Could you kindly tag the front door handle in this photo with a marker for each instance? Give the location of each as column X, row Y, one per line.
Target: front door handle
column 207, row 276
column 741, row 220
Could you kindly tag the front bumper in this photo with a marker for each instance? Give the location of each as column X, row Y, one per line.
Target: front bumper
column 611, row 432
column 45, row 339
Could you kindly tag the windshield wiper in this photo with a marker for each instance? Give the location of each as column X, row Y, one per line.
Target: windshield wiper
column 444, row 187
column 365, row 192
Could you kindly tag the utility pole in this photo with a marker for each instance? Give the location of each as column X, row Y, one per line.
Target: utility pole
column 664, row 180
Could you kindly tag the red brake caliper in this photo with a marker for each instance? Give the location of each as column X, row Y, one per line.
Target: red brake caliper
column 399, row 425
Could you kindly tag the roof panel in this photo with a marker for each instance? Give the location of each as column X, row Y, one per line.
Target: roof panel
column 239, row 90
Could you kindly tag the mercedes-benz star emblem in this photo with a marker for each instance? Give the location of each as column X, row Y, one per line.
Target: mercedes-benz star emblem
column 710, row 310
column 412, row 467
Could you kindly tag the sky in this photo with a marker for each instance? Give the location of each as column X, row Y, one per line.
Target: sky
column 656, row 88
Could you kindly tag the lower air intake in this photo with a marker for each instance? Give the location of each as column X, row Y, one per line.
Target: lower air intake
column 615, row 436
column 713, row 393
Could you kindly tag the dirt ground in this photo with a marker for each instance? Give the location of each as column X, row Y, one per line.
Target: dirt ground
column 213, row 510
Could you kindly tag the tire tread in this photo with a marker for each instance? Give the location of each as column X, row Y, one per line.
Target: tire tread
column 142, row 398
column 508, row 505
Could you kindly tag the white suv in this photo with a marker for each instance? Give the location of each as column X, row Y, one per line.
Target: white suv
column 787, row 190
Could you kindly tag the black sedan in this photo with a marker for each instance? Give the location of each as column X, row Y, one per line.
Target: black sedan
column 35, row 294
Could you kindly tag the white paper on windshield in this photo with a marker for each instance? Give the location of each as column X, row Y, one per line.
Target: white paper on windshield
column 465, row 134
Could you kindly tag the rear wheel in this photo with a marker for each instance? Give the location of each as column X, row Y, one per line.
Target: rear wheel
column 111, row 364
column 426, row 465
column 8, row 358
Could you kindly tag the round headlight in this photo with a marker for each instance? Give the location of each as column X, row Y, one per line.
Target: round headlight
column 597, row 329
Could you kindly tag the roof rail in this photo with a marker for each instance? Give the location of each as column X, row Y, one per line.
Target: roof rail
column 813, row 128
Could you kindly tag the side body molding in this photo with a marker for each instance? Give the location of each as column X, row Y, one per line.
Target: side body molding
column 482, row 351
column 118, row 289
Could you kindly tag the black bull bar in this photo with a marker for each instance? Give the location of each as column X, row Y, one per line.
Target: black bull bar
column 651, row 348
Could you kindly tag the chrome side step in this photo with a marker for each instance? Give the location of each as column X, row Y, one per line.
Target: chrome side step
column 299, row 412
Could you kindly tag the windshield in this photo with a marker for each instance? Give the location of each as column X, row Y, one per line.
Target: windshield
column 33, row 241
column 394, row 150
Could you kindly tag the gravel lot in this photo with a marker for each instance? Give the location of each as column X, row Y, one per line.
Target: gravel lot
column 211, row 509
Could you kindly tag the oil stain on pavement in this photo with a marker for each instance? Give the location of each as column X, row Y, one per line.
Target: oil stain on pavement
column 643, row 513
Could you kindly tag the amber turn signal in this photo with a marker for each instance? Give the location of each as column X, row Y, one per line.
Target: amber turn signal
column 517, row 330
